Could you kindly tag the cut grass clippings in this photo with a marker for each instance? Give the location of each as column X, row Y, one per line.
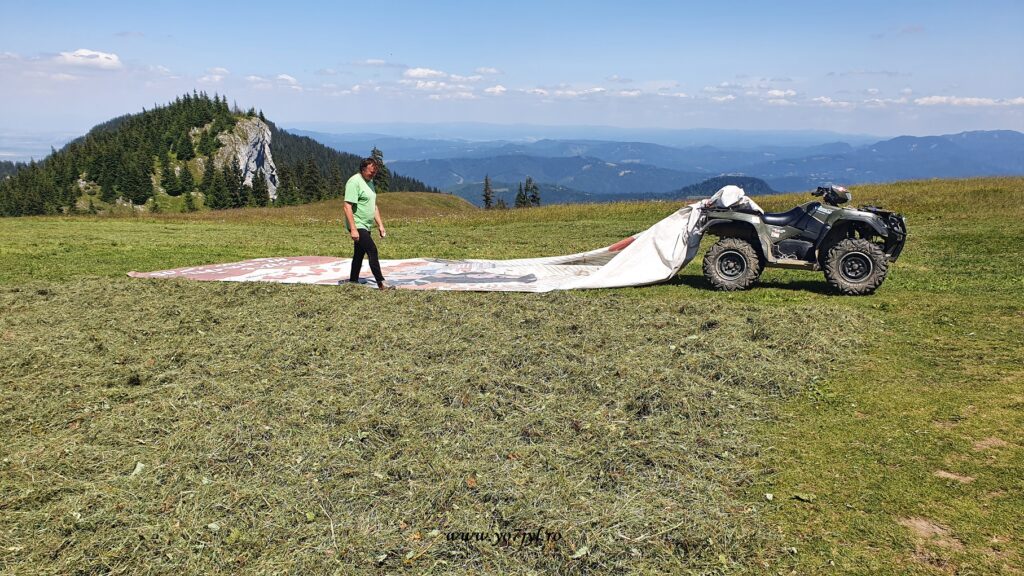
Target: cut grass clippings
column 153, row 427
column 194, row 427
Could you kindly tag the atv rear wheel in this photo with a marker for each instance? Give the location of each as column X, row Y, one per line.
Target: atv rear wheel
column 732, row 264
column 855, row 266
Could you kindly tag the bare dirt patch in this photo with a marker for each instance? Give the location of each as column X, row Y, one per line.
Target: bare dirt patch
column 953, row 476
column 989, row 443
column 926, row 531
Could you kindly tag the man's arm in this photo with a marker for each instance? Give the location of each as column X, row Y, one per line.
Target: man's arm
column 351, row 221
column 380, row 223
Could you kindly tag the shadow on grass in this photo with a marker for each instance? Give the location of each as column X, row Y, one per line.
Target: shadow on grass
column 698, row 282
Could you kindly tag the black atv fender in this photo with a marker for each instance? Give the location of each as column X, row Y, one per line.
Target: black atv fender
column 737, row 228
column 825, row 238
column 875, row 221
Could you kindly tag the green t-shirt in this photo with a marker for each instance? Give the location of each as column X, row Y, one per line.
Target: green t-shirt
column 361, row 193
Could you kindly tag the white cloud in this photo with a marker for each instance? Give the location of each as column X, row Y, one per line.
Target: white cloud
column 830, row 103
column 474, row 78
column 629, row 93
column 581, row 93
column 378, row 63
column 496, row 90
column 9, row 56
column 724, row 87
column 537, row 92
column 55, row 76
column 872, row 91
column 453, row 96
column 781, row 102
column 726, row 98
column 90, row 59
column 214, row 75
column 430, row 85
column 162, row 73
column 487, row 70
column 287, row 79
column 618, row 79
column 965, row 101
column 424, row 73
column 781, row 93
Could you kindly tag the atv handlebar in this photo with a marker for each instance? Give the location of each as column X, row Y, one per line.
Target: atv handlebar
column 834, row 195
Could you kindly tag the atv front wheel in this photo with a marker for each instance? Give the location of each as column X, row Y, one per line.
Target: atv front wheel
column 855, row 266
column 732, row 264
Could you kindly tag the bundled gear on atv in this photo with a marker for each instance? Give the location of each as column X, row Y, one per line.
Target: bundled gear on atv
column 852, row 246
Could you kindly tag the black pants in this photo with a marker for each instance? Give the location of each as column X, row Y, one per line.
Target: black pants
column 365, row 246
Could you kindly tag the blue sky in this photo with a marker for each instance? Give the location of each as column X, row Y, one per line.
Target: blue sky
column 883, row 68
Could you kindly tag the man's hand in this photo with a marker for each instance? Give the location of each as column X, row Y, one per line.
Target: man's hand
column 354, row 233
column 383, row 232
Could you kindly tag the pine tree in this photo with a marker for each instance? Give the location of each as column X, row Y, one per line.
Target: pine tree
column 260, row 190
column 500, row 204
column 168, row 180
column 312, row 182
column 234, row 185
column 336, row 184
column 287, row 194
column 208, row 143
column 382, row 179
column 207, row 175
column 185, row 182
column 183, row 147
column 532, row 192
column 218, row 195
column 190, row 203
column 488, row 193
column 247, row 197
column 521, row 200
column 107, row 193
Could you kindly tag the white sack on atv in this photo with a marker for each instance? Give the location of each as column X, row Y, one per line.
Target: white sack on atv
column 649, row 257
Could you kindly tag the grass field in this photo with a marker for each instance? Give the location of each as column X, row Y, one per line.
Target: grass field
column 169, row 426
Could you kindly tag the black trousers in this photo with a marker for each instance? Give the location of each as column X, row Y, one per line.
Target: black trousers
column 365, row 247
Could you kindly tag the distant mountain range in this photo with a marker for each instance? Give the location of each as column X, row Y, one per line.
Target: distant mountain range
column 584, row 173
column 633, row 169
column 557, row 194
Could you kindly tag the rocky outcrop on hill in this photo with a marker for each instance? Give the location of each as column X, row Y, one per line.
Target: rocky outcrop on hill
column 248, row 145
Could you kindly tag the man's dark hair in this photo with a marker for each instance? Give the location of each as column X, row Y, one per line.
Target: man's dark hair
column 366, row 162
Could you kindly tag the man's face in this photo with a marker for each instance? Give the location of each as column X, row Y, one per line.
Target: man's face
column 369, row 171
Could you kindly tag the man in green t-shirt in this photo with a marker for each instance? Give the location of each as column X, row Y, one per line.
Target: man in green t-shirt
column 360, row 215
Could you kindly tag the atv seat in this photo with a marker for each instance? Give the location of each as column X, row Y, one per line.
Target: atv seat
column 787, row 218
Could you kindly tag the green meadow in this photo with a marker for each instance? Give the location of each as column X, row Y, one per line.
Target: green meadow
column 157, row 427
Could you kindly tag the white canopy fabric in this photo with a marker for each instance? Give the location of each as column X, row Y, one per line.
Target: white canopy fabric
column 652, row 256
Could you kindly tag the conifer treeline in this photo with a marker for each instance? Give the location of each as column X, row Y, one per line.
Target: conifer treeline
column 122, row 155
column 7, row 168
column 527, row 196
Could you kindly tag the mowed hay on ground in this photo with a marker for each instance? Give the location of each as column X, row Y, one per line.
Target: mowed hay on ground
column 159, row 427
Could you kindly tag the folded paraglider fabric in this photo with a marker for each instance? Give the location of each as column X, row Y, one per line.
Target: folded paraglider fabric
column 649, row 257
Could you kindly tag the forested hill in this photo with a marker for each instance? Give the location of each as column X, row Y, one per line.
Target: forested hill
column 195, row 153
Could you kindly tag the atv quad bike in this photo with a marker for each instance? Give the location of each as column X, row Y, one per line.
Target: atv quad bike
column 852, row 246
